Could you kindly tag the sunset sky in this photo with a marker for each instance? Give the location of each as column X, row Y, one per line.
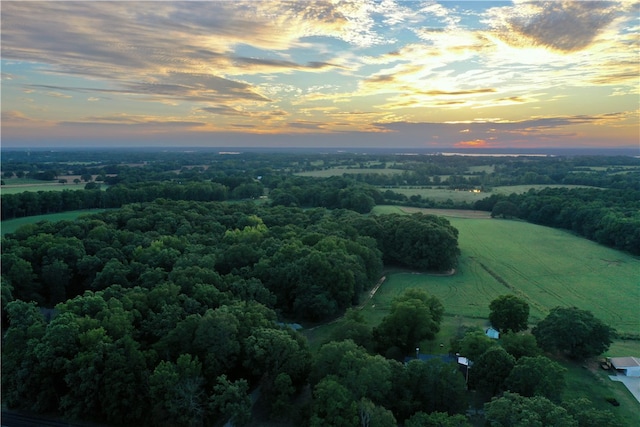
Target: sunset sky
column 353, row 73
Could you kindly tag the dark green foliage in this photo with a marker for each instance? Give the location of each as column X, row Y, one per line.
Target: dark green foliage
column 364, row 375
column 163, row 312
column 414, row 316
column 419, row 241
column 609, row 217
column 508, row 313
column 505, row 208
column 355, row 328
column 475, row 343
column 519, row 345
column 537, row 376
column 513, row 410
column 231, row 401
column 177, row 392
column 375, row 416
column 429, row 387
column 490, row 371
column 573, row 331
column 333, row 405
column 583, row 411
column 436, row 419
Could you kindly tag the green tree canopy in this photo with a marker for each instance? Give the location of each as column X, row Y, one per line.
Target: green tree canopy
column 431, row 386
column 519, row 345
column 437, row 419
column 414, row 316
column 587, row 415
column 474, row 344
column 537, row 376
column 573, row 331
column 333, row 405
column 509, row 313
column 513, row 410
column 490, row 370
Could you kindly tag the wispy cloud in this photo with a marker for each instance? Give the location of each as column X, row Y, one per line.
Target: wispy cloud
column 322, row 67
column 565, row 26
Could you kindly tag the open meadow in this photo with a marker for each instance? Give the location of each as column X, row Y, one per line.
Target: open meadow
column 20, row 185
column 441, row 194
column 339, row 171
column 545, row 266
column 12, row 225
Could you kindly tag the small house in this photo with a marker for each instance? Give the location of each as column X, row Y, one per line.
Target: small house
column 492, row 333
column 629, row 366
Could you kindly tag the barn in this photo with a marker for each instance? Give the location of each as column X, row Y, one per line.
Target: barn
column 629, row 366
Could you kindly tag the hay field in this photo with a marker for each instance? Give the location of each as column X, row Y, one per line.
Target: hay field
column 325, row 173
column 545, row 266
column 442, row 194
column 12, row 225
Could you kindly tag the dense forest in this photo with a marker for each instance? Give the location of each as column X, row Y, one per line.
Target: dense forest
column 160, row 304
column 177, row 305
column 610, row 217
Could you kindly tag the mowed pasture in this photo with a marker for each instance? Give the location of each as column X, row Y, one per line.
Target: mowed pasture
column 20, row 185
column 326, row 173
column 10, row 226
column 442, row 194
column 48, row 186
column 547, row 267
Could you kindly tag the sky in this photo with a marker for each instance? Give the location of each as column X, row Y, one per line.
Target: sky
column 335, row 73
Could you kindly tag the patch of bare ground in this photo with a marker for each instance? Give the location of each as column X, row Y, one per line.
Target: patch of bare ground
column 454, row 213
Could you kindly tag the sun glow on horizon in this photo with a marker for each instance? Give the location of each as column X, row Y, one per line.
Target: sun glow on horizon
column 379, row 73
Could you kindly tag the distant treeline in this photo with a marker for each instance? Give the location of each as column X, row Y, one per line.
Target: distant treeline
column 610, row 217
column 315, row 262
column 331, row 193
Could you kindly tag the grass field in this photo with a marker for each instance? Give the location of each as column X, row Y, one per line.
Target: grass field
column 545, row 266
column 20, row 185
column 439, row 194
column 594, row 384
column 519, row 189
column 443, row 194
column 54, row 186
column 325, row 173
column 12, row 225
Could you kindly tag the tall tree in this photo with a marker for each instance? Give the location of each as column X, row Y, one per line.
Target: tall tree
column 587, row 415
column 230, row 401
column 519, row 345
column 414, row 316
column 513, row 410
column 437, row 419
column 573, row 331
column 177, row 391
column 474, row 343
column 509, row 313
column 537, row 376
column 333, row 405
column 490, row 370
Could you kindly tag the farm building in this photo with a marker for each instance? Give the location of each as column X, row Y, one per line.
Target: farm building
column 492, row 333
column 629, row 366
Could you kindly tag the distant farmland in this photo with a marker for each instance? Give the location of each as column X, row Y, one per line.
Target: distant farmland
column 325, row 173
column 545, row 266
column 53, row 186
column 10, row 226
column 442, row 194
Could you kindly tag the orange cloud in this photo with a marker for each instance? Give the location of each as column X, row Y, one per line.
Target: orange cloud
column 476, row 143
